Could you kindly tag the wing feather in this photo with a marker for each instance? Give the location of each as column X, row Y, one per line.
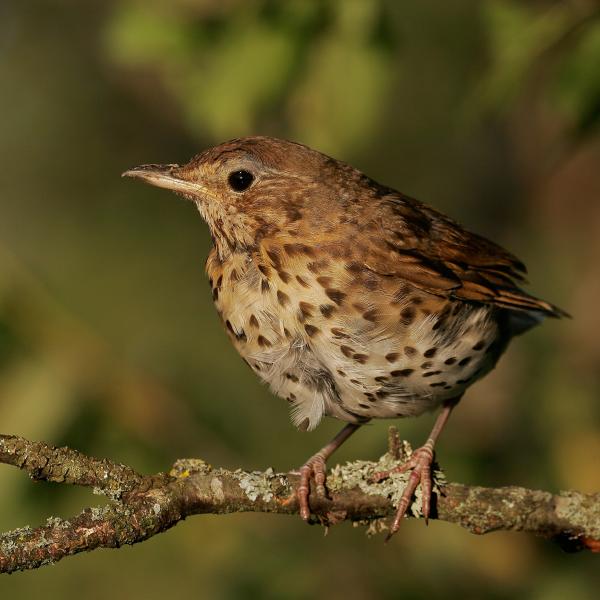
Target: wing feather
column 439, row 256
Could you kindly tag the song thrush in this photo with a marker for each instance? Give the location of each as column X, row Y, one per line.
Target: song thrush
column 348, row 298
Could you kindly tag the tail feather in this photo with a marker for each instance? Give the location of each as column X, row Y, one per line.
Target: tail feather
column 518, row 300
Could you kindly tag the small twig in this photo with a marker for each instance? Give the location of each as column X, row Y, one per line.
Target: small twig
column 142, row 506
column 394, row 442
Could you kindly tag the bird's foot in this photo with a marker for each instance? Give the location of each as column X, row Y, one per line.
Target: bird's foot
column 420, row 466
column 314, row 468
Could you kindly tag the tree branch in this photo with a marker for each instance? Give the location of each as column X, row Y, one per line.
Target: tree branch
column 142, row 506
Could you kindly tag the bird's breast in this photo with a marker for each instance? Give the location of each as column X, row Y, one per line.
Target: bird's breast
column 335, row 341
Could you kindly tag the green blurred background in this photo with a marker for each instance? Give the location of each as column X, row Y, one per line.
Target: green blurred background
column 488, row 110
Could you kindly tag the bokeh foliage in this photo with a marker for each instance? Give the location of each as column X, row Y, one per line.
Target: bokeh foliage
column 108, row 338
column 256, row 64
column 563, row 40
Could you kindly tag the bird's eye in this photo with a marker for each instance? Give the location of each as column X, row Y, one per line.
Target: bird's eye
column 240, row 180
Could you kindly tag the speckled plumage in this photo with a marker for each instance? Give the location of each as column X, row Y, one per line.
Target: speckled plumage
column 358, row 354
column 348, row 298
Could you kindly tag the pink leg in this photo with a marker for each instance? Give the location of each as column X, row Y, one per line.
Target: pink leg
column 315, row 467
column 420, row 463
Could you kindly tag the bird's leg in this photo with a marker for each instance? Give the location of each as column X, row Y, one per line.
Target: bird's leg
column 315, row 468
column 420, row 463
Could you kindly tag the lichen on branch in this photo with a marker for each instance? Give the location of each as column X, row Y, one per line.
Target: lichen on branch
column 142, row 506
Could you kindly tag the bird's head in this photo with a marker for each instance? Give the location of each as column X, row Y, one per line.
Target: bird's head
column 253, row 187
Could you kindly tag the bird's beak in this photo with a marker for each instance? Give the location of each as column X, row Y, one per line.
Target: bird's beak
column 166, row 176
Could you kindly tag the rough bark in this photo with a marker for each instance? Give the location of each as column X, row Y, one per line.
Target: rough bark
column 142, row 506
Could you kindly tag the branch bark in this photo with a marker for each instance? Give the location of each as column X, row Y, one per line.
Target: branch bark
column 141, row 506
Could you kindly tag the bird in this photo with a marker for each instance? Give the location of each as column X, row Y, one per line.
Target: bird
column 348, row 298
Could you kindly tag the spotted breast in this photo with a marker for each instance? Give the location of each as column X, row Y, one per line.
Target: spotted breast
column 335, row 339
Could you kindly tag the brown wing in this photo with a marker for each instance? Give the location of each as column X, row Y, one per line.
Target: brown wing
column 436, row 254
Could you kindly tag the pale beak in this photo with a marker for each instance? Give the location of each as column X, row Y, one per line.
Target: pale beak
column 165, row 176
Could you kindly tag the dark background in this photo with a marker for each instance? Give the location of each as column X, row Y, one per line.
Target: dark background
column 488, row 110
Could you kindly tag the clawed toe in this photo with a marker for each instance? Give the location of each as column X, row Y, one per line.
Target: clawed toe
column 420, row 466
column 315, row 469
